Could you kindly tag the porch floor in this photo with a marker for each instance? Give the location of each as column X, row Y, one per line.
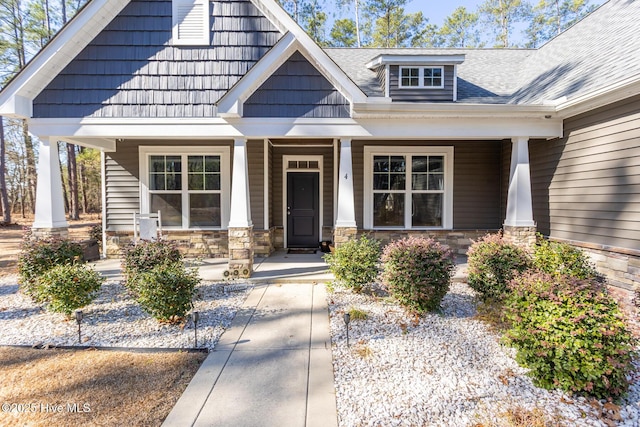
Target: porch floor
column 279, row 267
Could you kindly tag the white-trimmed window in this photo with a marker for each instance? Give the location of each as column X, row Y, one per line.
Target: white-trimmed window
column 422, row 77
column 191, row 22
column 408, row 187
column 188, row 185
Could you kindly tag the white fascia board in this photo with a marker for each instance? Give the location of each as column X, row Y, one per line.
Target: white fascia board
column 281, row 19
column 57, row 54
column 599, row 98
column 415, row 60
column 231, row 103
column 461, row 128
column 372, row 109
column 395, row 127
column 17, row 106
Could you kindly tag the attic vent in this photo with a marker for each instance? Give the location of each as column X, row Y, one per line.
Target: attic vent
column 191, row 22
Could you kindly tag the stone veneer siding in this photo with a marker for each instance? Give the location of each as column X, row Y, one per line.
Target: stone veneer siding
column 521, row 236
column 241, row 246
column 207, row 243
column 457, row 240
column 620, row 266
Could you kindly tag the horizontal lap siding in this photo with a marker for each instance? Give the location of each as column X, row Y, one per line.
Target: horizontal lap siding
column 587, row 185
column 476, row 187
column 255, row 160
column 131, row 69
column 122, row 172
column 420, row 94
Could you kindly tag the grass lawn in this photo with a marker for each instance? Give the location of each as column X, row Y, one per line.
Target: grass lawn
column 91, row 387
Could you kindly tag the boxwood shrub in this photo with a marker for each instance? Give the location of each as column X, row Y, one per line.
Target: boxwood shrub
column 166, row 291
column 355, row 262
column 493, row 262
column 68, row 287
column 417, row 272
column 570, row 333
column 144, row 256
column 39, row 255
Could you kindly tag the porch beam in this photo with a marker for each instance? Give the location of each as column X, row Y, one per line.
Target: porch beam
column 240, row 212
column 49, row 216
column 519, row 199
column 346, row 217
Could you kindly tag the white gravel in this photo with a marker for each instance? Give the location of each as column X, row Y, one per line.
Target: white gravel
column 442, row 370
column 115, row 320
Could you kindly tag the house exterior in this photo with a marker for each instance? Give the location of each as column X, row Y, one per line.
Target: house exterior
column 247, row 136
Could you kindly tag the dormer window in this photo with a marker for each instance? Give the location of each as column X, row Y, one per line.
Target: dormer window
column 421, row 77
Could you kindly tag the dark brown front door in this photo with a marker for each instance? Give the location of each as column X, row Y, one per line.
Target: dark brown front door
column 303, row 209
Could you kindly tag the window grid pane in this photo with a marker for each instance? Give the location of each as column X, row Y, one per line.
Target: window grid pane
column 426, row 193
column 432, row 77
column 410, row 77
column 204, row 186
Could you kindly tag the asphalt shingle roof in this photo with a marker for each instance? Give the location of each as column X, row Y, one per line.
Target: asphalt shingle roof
column 600, row 50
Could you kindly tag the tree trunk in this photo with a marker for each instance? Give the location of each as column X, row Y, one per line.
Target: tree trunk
column 84, row 181
column 31, row 167
column 72, row 169
column 4, row 197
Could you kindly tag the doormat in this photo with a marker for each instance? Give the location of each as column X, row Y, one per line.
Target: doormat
column 301, row 251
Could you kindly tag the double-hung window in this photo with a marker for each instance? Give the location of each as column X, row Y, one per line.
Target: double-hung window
column 408, row 187
column 422, row 77
column 188, row 185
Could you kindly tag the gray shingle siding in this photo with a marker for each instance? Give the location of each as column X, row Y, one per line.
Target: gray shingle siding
column 297, row 89
column 131, row 70
column 420, row 94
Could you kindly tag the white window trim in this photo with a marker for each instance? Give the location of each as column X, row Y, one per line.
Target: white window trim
column 204, row 38
column 421, row 69
column 446, row 152
column 225, row 176
column 285, row 171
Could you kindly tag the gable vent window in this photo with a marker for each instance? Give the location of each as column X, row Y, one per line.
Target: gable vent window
column 191, row 22
column 421, row 77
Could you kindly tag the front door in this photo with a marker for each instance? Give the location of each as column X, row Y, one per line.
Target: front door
column 303, row 210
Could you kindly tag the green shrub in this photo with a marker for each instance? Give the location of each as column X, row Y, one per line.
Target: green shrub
column 355, row 263
column 39, row 255
column 166, row 291
column 417, row 272
column 561, row 258
column 493, row 262
column 570, row 333
column 144, row 256
column 68, row 287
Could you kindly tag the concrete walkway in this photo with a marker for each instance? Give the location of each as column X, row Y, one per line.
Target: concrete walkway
column 272, row 367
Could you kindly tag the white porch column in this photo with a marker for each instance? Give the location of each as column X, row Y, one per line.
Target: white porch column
column 345, row 226
column 519, row 225
column 240, row 215
column 49, row 217
column 240, row 225
column 519, row 201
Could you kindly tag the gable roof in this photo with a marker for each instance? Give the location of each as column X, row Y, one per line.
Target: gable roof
column 597, row 56
column 599, row 51
column 597, row 61
column 16, row 99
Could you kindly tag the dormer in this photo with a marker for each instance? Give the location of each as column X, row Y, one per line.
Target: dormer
column 418, row 78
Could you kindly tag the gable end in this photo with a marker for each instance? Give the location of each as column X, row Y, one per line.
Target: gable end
column 297, row 90
column 131, row 69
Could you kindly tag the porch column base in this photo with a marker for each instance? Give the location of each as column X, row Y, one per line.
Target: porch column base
column 240, row 252
column 47, row 233
column 343, row 234
column 524, row 237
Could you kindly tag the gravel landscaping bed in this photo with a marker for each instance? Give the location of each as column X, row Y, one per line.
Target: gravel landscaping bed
column 115, row 320
column 444, row 369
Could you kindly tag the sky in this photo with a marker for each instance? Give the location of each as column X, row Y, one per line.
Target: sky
column 437, row 10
